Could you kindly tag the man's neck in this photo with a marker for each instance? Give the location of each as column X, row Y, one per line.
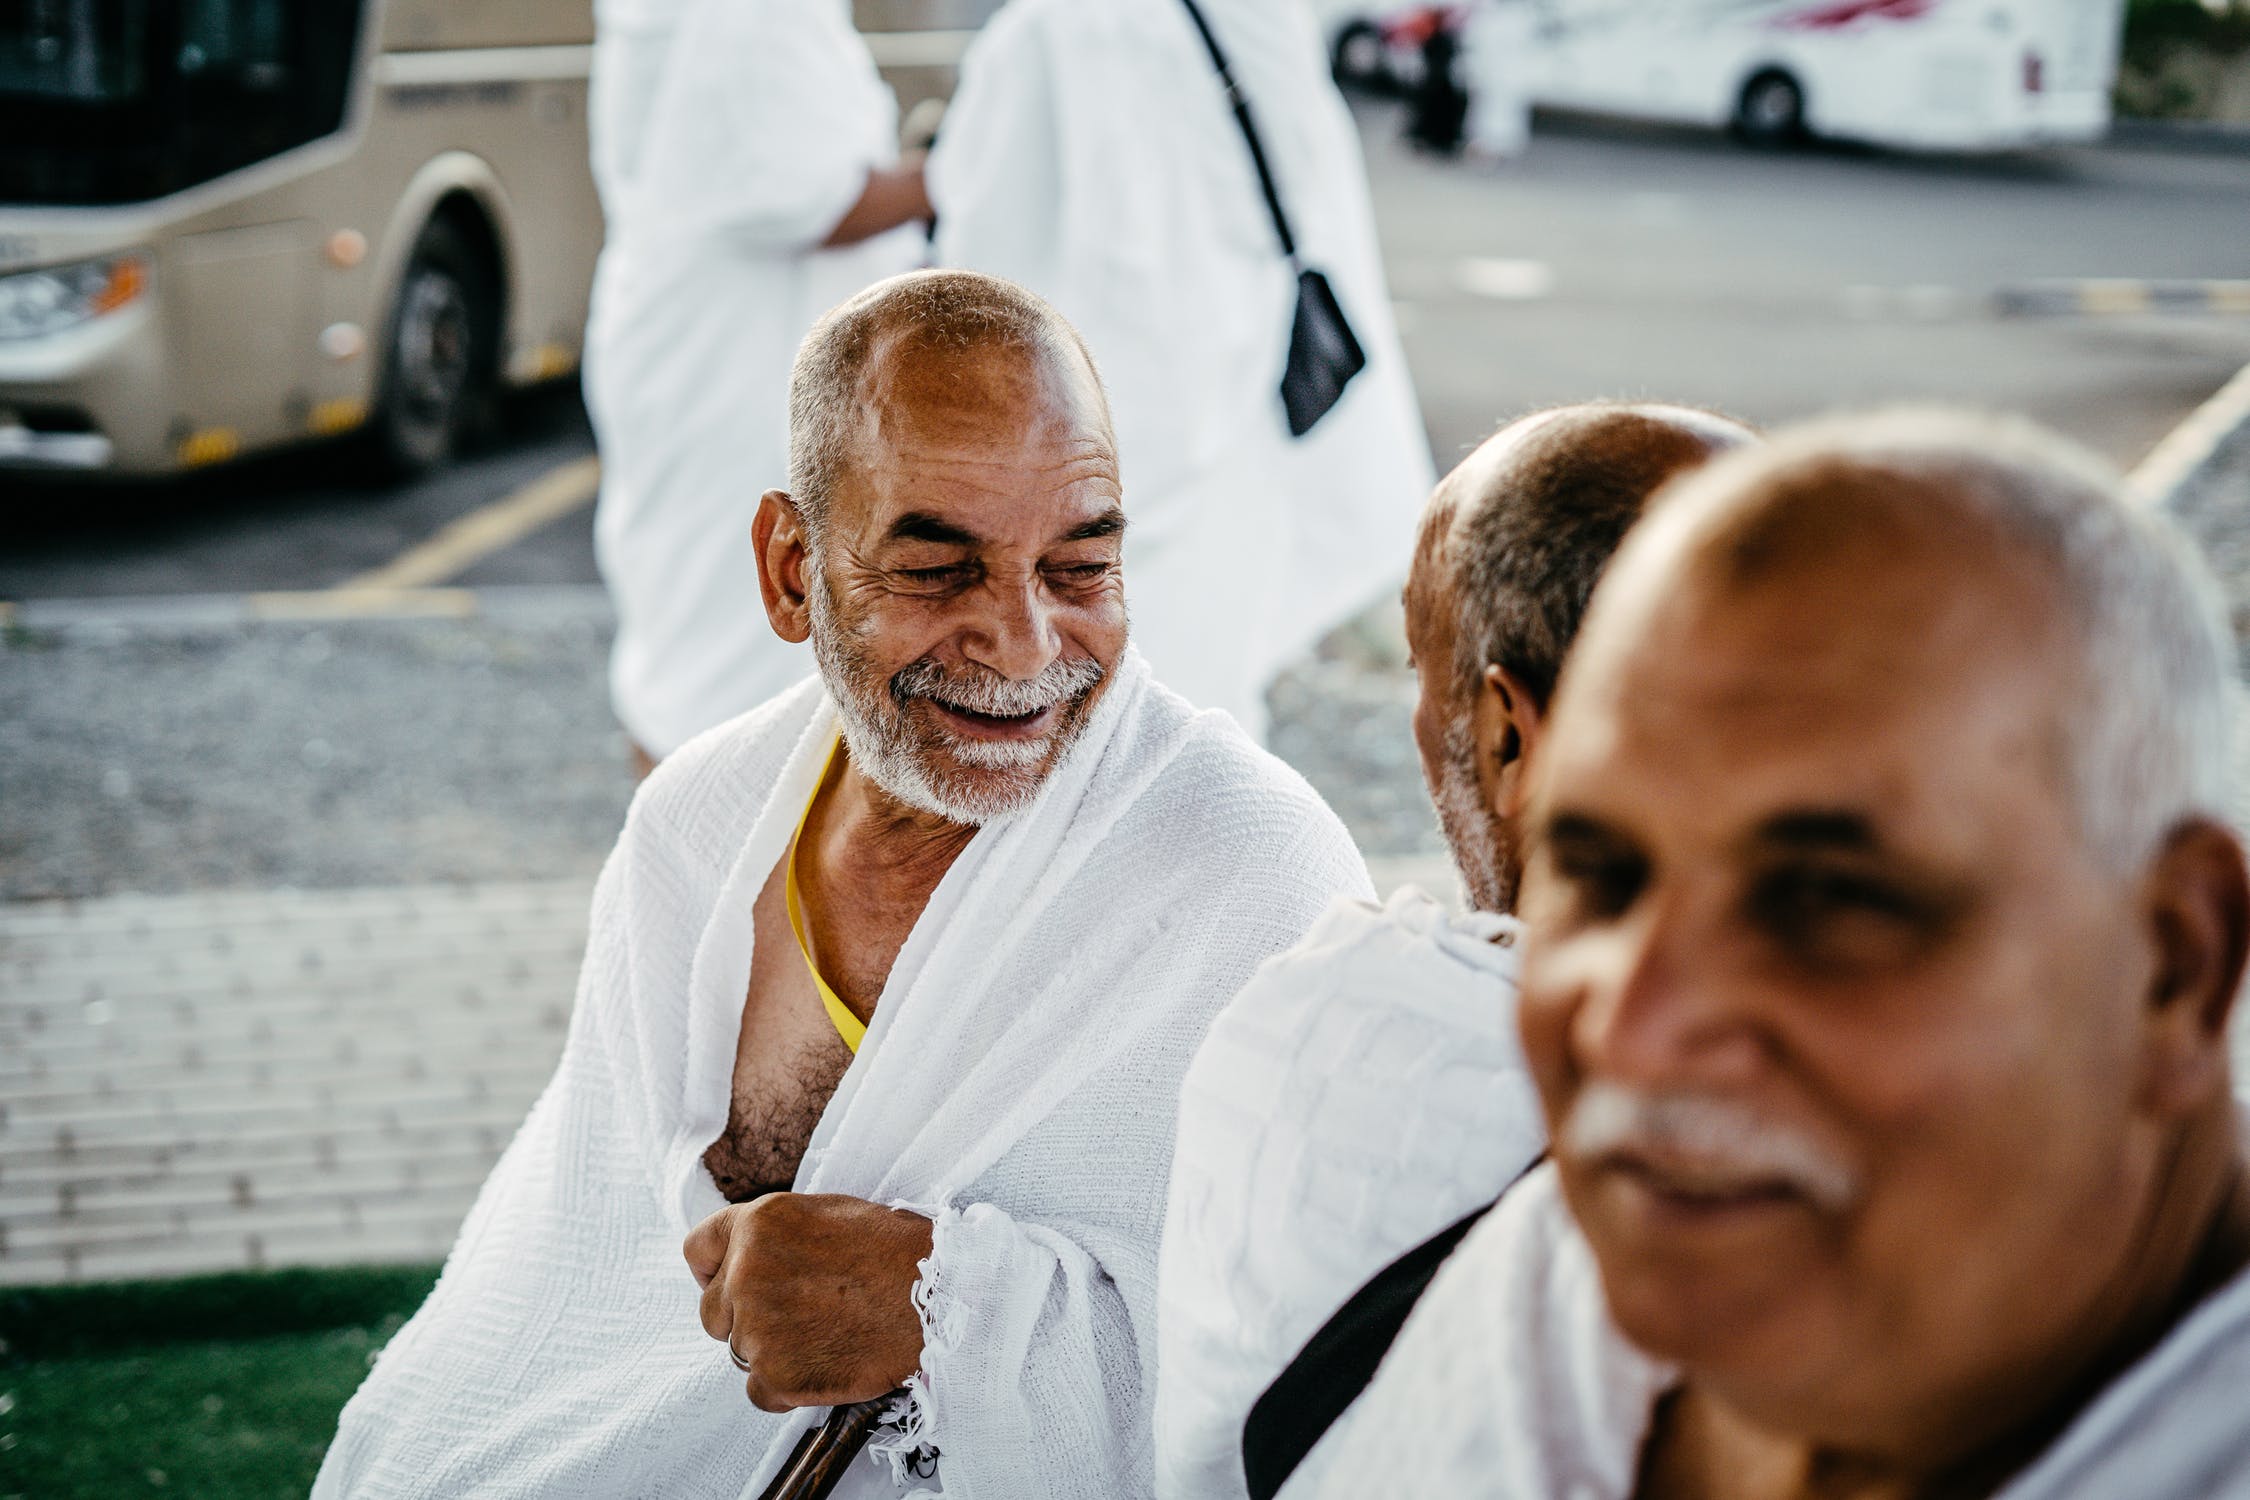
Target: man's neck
column 2197, row 1240
column 877, row 842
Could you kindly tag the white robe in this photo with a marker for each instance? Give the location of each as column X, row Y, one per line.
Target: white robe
column 1017, row 1084
column 1363, row 1091
column 1090, row 154
column 1510, row 1381
column 1496, row 57
column 767, row 118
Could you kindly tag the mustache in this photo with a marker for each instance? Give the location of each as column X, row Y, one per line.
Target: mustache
column 982, row 691
column 1704, row 1136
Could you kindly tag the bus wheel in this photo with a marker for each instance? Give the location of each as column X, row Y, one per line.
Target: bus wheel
column 1360, row 59
column 438, row 363
column 1771, row 111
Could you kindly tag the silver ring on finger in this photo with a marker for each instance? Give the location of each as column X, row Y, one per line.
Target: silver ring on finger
column 736, row 1355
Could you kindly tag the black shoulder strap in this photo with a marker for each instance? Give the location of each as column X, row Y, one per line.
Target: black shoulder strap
column 1337, row 1364
column 1249, row 130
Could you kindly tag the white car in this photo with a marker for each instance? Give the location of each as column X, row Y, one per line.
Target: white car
column 1962, row 75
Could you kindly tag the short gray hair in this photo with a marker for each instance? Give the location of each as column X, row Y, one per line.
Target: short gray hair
column 943, row 311
column 1526, row 550
column 2148, row 744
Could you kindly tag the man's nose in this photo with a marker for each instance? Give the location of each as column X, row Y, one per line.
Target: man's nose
column 1013, row 633
column 1658, row 1010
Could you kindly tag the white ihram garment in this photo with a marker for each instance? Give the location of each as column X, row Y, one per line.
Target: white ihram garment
column 1090, row 155
column 1364, row 1091
column 631, row 39
column 1510, row 1381
column 1018, row 1084
column 769, row 118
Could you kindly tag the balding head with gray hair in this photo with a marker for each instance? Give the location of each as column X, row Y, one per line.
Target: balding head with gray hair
column 2148, row 734
column 941, row 315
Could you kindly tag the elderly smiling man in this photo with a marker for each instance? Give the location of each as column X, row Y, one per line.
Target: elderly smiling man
column 905, row 965
column 1882, row 933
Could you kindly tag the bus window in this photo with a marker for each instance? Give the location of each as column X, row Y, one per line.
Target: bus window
column 114, row 101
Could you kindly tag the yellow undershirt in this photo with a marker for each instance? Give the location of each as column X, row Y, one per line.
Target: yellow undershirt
column 848, row 1026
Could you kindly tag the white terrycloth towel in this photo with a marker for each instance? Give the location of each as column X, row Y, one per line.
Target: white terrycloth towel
column 1511, row 1381
column 1018, row 1083
column 1363, row 1091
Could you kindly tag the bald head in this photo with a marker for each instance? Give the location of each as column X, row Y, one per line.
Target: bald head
column 932, row 349
column 1521, row 529
column 1511, row 545
column 1973, row 522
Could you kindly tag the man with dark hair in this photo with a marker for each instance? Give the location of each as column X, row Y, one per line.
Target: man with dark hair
column 884, row 978
column 1364, row 1089
column 1882, row 927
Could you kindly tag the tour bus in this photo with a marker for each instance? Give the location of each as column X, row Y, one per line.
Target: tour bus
column 227, row 225
column 1946, row 75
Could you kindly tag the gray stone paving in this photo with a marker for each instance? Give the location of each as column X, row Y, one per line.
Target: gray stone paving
column 220, row 1081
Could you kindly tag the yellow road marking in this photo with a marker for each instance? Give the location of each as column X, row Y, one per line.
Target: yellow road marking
column 464, row 542
column 358, row 603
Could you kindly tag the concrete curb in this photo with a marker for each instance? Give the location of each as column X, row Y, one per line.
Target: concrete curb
column 508, row 604
column 2197, row 448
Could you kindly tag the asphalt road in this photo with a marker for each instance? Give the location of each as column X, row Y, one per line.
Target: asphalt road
column 1613, row 260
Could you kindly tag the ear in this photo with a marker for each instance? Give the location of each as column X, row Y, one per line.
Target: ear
column 1509, row 721
column 779, row 536
column 2197, row 908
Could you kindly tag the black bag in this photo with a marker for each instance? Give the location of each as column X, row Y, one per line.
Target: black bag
column 1323, row 352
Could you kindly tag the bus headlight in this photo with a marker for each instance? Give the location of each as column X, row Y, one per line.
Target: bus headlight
column 34, row 304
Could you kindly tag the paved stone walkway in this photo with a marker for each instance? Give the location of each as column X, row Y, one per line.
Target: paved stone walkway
column 225, row 1081
column 208, row 1082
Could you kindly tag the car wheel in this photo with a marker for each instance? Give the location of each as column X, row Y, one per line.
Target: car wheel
column 440, row 356
column 1771, row 111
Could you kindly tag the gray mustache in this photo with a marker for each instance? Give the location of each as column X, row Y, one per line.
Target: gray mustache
column 983, row 692
column 1708, row 1133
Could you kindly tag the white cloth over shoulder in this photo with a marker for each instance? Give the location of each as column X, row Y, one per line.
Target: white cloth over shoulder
column 1511, row 1381
column 1362, row 1092
column 1090, row 154
column 766, row 119
column 1017, row 1084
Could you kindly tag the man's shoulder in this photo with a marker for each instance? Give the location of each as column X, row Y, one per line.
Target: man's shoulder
column 702, row 799
column 1246, row 801
column 1409, row 960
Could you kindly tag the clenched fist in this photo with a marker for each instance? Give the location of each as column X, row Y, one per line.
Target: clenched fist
column 811, row 1292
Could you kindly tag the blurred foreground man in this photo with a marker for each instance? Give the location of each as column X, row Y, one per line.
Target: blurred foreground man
column 1882, row 932
column 1365, row 1089
column 928, row 939
column 748, row 157
column 1092, row 154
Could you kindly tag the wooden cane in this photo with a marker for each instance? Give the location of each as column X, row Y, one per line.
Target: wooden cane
column 816, row 1465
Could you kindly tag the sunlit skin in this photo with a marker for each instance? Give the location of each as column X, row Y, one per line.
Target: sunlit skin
column 980, row 525
column 1802, row 842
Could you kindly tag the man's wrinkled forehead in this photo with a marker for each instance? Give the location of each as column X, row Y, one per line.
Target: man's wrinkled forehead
column 1846, row 635
column 916, row 391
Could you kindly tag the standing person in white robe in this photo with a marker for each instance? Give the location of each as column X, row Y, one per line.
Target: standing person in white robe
column 1496, row 55
column 1365, row 1089
column 765, row 187
column 632, row 38
column 1883, row 922
column 1090, row 153
column 906, row 965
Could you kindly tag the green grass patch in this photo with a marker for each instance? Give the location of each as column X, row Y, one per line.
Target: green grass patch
column 222, row 1386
